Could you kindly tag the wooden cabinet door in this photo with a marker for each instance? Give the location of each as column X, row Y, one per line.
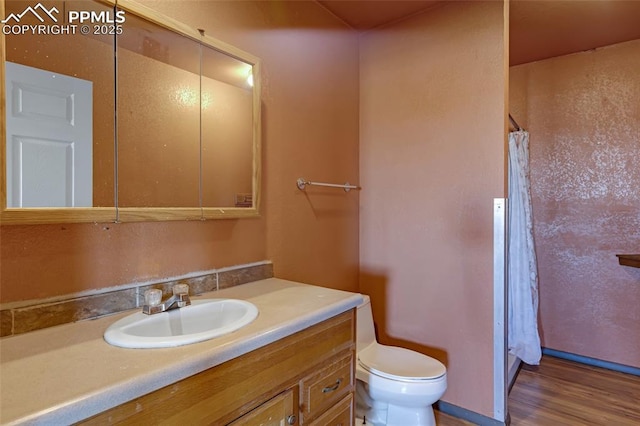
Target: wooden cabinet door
column 278, row 411
column 340, row 414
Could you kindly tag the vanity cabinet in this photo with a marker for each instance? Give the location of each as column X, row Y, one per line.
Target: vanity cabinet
column 307, row 378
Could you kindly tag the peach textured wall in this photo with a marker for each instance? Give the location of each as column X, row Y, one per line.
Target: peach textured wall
column 309, row 128
column 583, row 115
column 432, row 161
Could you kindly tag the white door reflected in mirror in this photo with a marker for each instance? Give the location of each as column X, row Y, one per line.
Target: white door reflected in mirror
column 49, row 140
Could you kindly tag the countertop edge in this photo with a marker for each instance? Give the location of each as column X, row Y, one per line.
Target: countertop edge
column 107, row 398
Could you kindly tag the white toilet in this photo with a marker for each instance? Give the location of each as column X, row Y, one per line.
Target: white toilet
column 395, row 386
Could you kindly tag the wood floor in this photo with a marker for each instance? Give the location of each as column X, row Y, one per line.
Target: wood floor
column 559, row 392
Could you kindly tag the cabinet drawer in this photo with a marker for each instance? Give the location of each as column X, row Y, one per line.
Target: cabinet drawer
column 276, row 412
column 340, row 414
column 327, row 386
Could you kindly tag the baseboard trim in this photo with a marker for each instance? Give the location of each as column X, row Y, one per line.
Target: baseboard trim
column 513, row 368
column 592, row 361
column 468, row 415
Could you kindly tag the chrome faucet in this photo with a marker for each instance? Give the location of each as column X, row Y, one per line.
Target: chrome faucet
column 153, row 300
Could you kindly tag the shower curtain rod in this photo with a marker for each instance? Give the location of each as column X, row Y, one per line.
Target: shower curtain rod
column 515, row 124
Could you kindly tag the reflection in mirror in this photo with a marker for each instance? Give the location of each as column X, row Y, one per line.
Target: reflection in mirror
column 56, row 85
column 227, row 130
column 158, row 117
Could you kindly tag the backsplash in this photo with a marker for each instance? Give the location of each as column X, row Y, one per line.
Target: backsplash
column 41, row 314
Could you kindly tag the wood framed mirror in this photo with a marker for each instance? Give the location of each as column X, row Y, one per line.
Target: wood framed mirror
column 171, row 117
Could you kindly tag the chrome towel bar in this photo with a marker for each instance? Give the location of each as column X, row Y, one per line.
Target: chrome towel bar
column 303, row 183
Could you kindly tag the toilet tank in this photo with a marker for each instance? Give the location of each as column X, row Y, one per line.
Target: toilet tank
column 365, row 331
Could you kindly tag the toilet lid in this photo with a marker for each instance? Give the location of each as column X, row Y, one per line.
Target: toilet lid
column 398, row 363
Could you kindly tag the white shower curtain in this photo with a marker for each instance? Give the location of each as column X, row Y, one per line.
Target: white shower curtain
column 522, row 270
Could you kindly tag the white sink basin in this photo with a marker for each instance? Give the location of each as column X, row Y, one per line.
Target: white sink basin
column 202, row 320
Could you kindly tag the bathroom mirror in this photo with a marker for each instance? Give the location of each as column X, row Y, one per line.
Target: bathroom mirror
column 173, row 126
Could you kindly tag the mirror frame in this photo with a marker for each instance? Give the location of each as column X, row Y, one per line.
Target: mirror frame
column 51, row 215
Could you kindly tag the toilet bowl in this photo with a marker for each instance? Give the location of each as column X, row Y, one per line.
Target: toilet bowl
column 394, row 386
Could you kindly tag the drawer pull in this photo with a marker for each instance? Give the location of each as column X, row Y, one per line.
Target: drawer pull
column 292, row 419
column 332, row 388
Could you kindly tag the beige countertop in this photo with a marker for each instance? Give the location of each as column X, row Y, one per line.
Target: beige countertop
column 67, row 373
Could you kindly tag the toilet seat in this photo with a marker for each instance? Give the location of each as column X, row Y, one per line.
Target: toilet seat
column 400, row 364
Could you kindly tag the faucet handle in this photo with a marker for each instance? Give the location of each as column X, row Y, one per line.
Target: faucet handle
column 180, row 289
column 153, row 297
